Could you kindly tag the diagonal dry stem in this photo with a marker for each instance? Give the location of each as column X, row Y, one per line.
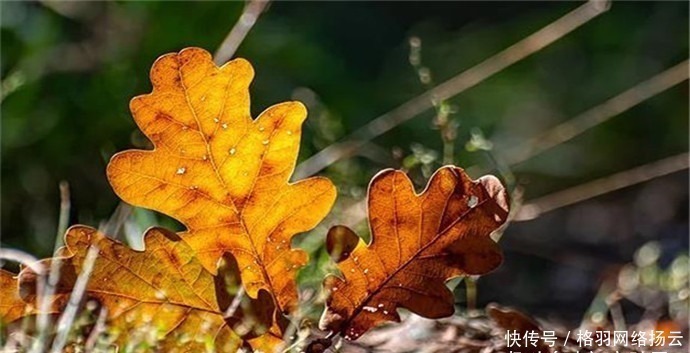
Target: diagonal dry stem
column 598, row 114
column 64, row 324
column 601, row 186
column 456, row 85
column 575, row 127
column 45, row 286
column 232, row 41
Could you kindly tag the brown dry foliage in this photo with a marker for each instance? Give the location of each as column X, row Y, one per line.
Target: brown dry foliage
column 419, row 241
column 164, row 289
column 226, row 177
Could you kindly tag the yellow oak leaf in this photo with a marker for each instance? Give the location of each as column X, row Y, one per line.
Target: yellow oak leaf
column 418, row 242
column 224, row 175
column 162, row 294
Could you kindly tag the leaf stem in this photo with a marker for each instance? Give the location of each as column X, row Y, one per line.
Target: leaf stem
column 471, row 293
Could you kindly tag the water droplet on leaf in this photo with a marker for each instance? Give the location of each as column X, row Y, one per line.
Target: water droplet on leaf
column 472, row 202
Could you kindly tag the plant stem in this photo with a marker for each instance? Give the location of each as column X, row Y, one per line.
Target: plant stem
column 448, row 151
column 471, row 293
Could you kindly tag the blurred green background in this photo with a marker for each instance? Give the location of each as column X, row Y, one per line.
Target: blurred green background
column 70, row 68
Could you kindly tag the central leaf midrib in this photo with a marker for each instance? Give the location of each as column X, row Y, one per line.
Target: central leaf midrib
column 222, row 181
column 154, row 302
column 359, row 308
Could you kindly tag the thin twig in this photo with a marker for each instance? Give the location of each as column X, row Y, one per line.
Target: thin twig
column 598, row 114
column 447, row 126
column 602, row 186
column 98, row 329
column 23, row 258
column 456, row 85
column 235, row 304
column 47, row 285
column 117, row 220
column 232, row 41
column 576, row 126
column 67, row 318
column 65, row 206
column 616, row 311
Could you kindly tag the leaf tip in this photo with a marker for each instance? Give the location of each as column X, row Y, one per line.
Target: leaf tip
column 241, row 67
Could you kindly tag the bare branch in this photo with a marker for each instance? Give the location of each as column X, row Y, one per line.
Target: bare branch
column 23, row 258
column 602, row 186
column 232, row 41
column 575, row 126
column 46, row 286
column 68, row 315
column 65, row 206
column 456, row 85
column 599, row 114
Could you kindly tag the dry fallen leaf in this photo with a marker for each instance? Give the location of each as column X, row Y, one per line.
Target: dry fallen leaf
column 418, row 242
column 15, row 305
column 164, row 290
column 512, row 320
column 12, row 307
column 222, row 174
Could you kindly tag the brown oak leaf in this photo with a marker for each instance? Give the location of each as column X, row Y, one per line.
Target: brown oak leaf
column 15, row 305
column 224, row 175
column 162, row 290
column 418, row 242
column 12, row 307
